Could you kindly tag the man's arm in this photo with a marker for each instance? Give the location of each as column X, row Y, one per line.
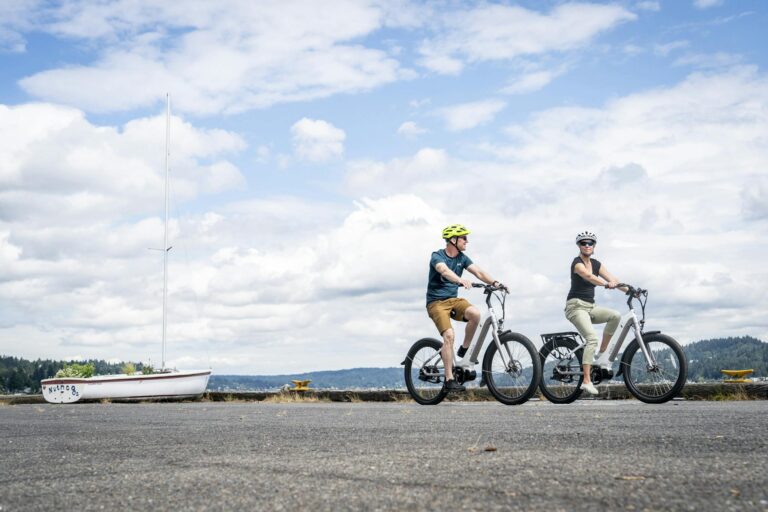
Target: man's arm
column 450, row 275
column 481, row 274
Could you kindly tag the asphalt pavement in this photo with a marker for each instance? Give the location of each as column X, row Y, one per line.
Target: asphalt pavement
column 590, row 455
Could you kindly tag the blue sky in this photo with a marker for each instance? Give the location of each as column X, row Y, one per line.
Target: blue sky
column 319, row 149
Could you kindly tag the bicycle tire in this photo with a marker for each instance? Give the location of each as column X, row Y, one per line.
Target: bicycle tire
column 423, row 393
column 552, row 356
column 522, row 379
column 662, row 384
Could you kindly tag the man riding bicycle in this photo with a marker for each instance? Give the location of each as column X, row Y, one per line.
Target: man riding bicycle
column 581, row 310
column 445, row 269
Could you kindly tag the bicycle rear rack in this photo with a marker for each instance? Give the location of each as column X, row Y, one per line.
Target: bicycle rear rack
column 545, row 338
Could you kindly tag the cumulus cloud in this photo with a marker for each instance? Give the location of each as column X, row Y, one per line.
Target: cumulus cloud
column 279, row 284
column 80, row 204
column 470, row 115
column 755, row 199
column 410, row 129
column 501, row 32
column 651, row 169
column 215, row 57
column 317, row 140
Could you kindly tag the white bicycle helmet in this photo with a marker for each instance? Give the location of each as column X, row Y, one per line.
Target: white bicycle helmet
column 586, row 235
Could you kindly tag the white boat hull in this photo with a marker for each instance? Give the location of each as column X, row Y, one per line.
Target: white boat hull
column 184, row 384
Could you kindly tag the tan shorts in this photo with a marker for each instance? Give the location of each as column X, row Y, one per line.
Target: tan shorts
column 443, row 311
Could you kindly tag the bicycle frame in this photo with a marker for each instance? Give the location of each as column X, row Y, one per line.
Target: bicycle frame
column 490, row 322
column 628, row 322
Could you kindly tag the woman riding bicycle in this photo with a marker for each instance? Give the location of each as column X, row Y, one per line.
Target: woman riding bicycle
column 580, row 307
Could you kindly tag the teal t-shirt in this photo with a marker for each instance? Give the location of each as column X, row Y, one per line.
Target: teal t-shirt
column 439, row 288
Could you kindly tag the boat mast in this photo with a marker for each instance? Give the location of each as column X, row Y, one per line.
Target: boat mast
column 165, row 231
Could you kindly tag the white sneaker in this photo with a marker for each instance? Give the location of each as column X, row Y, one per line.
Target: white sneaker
column 603, row 363
column 589, row 388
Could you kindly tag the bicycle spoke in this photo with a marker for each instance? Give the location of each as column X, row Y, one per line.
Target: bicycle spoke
column 426, row 361
column 512, row 376
column 657, row 380
column 561, row 373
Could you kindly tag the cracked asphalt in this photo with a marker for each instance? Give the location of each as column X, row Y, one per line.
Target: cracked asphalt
column 589, row 455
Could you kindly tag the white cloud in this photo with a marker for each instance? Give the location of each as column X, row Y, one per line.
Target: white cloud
column 667, row 48
column 14, row 19
column 649, row 170
column 215, row 57
column 420, row 103
column 755, row 198
column 55, row 150
column 470, row 115
column 500, row 32
column 708, row 61
column 410, row 129
column 80, row 205
column 706, row 4
column 653, row 6
column 317, row 140
column 279, row 284
column 533, row 81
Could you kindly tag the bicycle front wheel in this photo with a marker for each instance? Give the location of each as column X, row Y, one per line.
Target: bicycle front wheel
column 425, row 372
column 655, row 384
column 512, row 382
column 561, row 371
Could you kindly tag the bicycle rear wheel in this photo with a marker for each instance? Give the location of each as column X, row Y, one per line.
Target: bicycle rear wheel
column 425, row 373
column 662, row 382
column 515, row 382
column 561, row 371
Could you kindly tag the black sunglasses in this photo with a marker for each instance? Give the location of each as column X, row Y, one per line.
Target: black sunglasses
column 463, row 237
column 586, row 243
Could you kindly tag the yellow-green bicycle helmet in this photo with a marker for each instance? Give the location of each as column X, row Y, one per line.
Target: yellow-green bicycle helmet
column 454, row 230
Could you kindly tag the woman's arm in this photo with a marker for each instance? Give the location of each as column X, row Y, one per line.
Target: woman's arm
column 582, row 271
column 612, row 281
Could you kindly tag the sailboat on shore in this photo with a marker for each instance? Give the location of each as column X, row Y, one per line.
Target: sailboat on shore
column 164, row 384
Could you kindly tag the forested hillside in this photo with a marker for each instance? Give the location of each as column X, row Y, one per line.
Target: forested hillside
column 705, row 360
column 21, row 375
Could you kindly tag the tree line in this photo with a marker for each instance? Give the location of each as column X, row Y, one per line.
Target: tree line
column 706, row 358
column 18, row 375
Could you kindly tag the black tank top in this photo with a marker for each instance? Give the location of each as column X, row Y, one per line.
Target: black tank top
column 580, row 287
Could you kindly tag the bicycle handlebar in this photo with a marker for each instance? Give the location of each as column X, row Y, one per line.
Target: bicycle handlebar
column 632, row 291
column 490, row 287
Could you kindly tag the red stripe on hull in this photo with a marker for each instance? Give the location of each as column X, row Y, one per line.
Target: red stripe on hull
column 49, row 382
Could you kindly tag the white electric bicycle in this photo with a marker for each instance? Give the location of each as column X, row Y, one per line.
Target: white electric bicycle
column 653, row 365
column 511, row 368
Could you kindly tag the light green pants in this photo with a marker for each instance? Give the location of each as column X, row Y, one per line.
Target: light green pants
column 583, row 314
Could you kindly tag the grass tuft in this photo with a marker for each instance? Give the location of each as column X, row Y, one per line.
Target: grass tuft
column 736, row 394
column 293, row 397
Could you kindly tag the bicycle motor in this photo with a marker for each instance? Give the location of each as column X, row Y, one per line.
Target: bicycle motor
column 463, row 375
